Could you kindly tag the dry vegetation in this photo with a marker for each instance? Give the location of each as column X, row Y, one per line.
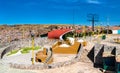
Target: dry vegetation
column 17, row 32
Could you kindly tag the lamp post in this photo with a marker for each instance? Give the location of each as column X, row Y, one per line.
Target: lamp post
column 32, row 36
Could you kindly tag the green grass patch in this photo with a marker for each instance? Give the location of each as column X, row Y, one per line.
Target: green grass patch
column 23, row 50
column 37, row 48
column 12, row 52
column 27, row 49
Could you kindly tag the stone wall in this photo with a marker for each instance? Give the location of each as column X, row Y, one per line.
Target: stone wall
column 117, row 50
column 111, row 49
column 12, row 46
column 49, row 66
column 98, row 50
column 7, row 49
column 22, row 43
column 98, row 53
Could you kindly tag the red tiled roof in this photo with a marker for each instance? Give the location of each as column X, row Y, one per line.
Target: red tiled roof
column 55, row 34
column 115, row 28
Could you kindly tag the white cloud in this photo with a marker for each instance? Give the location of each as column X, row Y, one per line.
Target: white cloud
column 93, row 2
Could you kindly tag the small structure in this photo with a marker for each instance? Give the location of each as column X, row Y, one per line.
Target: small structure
column 44, row 56
column 109, row 58
column 70, row 46
column 106, row 57
column 67, row 46
column 116, row 31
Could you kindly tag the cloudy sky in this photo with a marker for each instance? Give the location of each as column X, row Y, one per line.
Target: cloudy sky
column 58, row 11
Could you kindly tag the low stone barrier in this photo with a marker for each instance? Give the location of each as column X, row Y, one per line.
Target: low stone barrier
column 21, row 43
column 18, row 44
column 49, row 66
column 23, row 66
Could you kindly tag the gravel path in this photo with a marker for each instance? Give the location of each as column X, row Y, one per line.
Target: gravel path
column 6, row 69
column 78, row 67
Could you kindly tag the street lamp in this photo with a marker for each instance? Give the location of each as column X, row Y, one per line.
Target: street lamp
column 32, row 36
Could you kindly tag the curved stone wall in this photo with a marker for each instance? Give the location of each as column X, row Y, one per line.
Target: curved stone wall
column 49, row 66
column 11, row 46
column 6, row 50
column 23, row 43
column 18, row 45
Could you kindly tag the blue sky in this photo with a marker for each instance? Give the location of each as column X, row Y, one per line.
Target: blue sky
column 58, row 11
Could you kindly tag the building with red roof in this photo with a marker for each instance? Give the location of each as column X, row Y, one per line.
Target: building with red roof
column 55, row 34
